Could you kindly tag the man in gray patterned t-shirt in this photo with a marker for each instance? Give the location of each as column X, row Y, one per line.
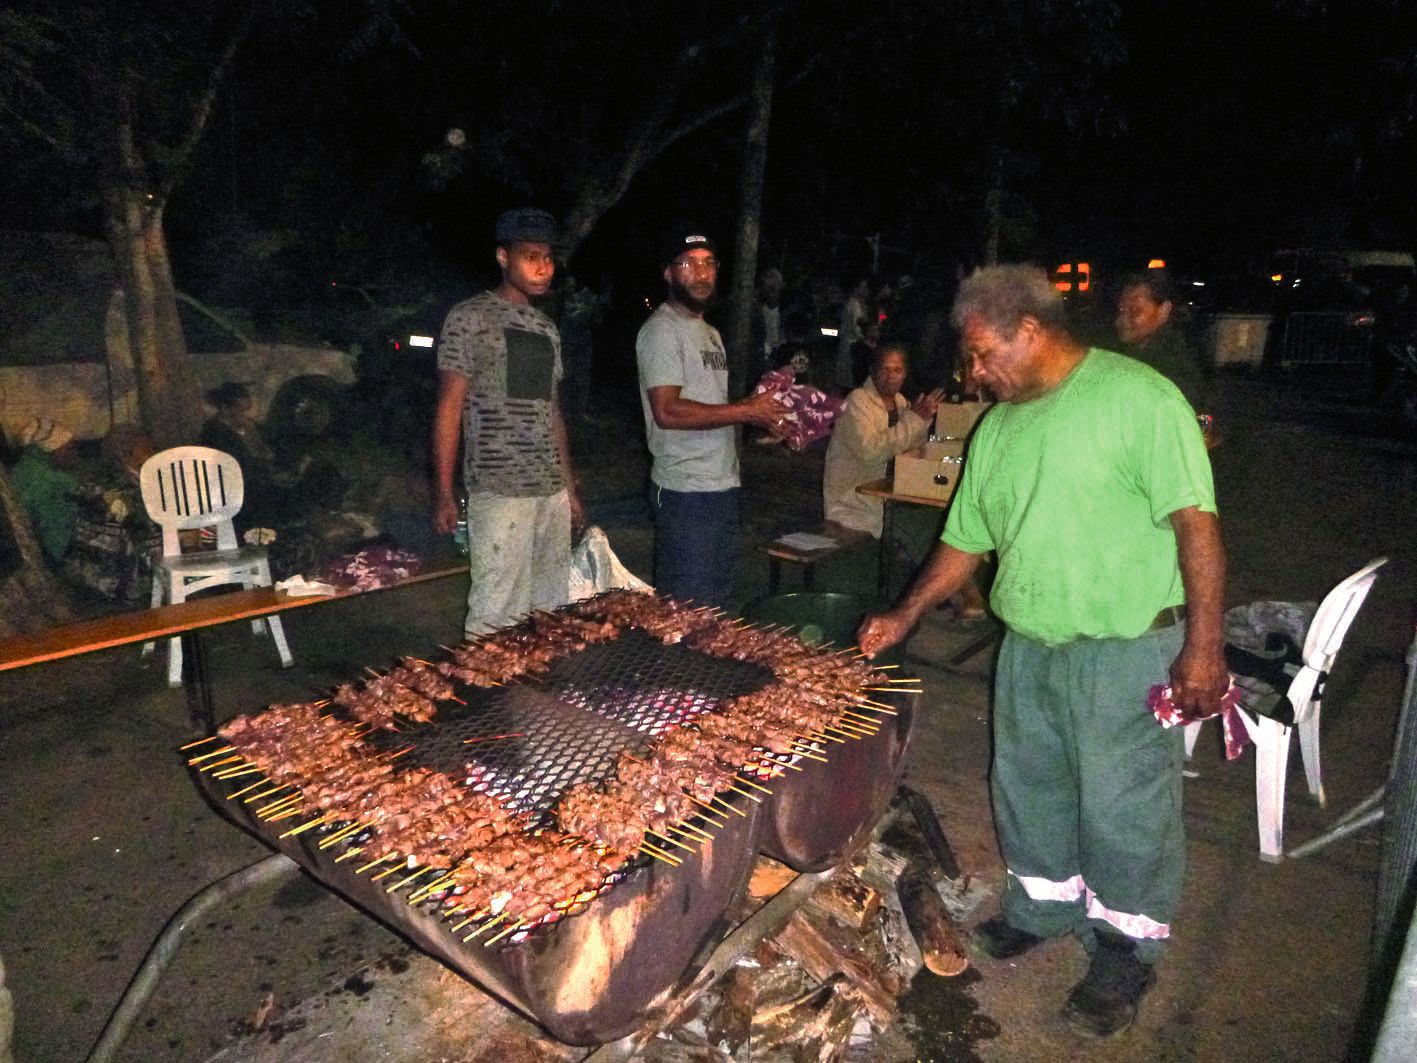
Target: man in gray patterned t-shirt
column 499, row 367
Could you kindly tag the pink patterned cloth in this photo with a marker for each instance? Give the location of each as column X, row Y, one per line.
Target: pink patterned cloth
column 1237, row 736
column 369, row 569
column 810, row 411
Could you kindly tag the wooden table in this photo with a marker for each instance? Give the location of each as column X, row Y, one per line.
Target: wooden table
column 882, row 489
column 889, row 499
column 185, row 620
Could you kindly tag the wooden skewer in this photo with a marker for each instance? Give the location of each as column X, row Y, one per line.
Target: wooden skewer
column 863, row 717
column 826, row 738
column 513, row 928
column 735, row 811
column 372, row 863
column 659, row 854
column 841, row 730
column 341, row 834
column 484, row 928
column 671, row 841
column 851, row 723
column 349, row 853
column 238, row 759
column 751, row 797
column 755, row 786
column 238, row 793
column 884, row 710
column 208, row 756
column 237, row 773
column 386, row 872
column 268, row 793
column 429, row 888
column 688, row 828
column 401, row 883
column 285, row 804
column 198, row 742
column 803, row 752
column 493, row 738
column 295, row 810
column 706, row 805
column 787, row 763
column 306, row 826
column 219, row 772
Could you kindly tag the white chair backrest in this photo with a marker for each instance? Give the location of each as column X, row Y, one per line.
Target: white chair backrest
column 192, row 487
column 1335, row 615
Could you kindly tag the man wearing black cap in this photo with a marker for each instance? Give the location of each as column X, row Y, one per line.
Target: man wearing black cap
column 499, row 365
column 690, row 424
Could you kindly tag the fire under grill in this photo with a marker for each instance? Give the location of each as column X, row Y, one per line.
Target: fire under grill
column 598, row 755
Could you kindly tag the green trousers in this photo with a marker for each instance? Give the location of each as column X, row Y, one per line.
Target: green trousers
column 1087, row 789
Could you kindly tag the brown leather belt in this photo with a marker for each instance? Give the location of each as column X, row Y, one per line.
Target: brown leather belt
column 1168, row 617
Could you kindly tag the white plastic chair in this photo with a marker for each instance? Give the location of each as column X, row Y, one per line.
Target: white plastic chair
column 198, row 487
column 1304, row 695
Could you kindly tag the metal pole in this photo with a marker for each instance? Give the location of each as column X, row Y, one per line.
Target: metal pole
column 164, row 949
column 1399, row 1029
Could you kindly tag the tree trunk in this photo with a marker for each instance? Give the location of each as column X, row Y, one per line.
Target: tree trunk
column 742, row 361
column 31, row 599
column 168, row 397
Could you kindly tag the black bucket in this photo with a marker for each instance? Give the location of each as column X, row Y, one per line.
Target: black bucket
column 818, row 618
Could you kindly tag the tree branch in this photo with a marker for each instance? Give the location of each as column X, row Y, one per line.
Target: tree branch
column 202, row 107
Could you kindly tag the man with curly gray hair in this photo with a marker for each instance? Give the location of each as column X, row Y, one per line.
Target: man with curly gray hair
column 1090, row 481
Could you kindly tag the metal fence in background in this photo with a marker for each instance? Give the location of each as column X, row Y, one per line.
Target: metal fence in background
column 1324, row 338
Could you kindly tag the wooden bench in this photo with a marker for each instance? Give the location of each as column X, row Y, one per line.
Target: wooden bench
column 185, row 619
column 779, row 551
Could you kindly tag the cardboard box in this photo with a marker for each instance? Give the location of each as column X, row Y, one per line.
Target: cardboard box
column 931, row 471
column 955, row 420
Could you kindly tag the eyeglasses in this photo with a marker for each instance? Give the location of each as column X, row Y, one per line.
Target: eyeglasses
column 697, row 265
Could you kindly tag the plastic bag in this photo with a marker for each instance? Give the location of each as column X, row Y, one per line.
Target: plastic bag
column 595, row 568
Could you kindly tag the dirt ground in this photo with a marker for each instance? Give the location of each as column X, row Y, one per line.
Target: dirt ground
column 105, row 837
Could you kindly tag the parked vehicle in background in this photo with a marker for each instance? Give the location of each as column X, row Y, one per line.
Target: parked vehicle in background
column 64, row 350
column 1328, row 303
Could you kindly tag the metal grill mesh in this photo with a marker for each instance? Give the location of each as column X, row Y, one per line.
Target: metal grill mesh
column 528, row 742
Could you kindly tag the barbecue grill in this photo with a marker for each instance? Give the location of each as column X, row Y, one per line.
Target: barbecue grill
column 591, row 968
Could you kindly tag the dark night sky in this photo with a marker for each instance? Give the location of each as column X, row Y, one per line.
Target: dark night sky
column 1204, row 131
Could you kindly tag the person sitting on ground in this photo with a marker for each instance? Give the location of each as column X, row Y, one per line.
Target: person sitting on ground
column 45, row 483
column 275, row 493
column 1147, row 331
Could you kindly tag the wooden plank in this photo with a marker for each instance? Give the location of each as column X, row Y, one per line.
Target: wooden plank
column 882, row 489
column 143, row 625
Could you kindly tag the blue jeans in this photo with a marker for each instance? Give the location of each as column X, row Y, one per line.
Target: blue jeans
column 695, row 544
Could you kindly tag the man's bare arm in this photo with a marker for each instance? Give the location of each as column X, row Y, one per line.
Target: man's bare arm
column 1199, row 676
column 447, row 430
column 672, row 410
column 945, row 572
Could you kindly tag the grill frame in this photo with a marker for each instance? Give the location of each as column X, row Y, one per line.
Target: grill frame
column 592, row 975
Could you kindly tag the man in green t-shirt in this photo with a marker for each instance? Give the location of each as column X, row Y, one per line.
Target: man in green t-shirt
column 1090, row 480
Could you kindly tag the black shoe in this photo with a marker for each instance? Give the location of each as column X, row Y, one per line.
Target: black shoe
column 1105, row 1002
column 1002, row 941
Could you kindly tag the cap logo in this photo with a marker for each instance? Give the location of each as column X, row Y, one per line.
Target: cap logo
column 696, row 238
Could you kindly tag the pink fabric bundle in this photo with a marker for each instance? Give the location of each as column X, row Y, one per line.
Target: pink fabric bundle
column 1237, row 736
column 370, row 568
column 811, row 411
